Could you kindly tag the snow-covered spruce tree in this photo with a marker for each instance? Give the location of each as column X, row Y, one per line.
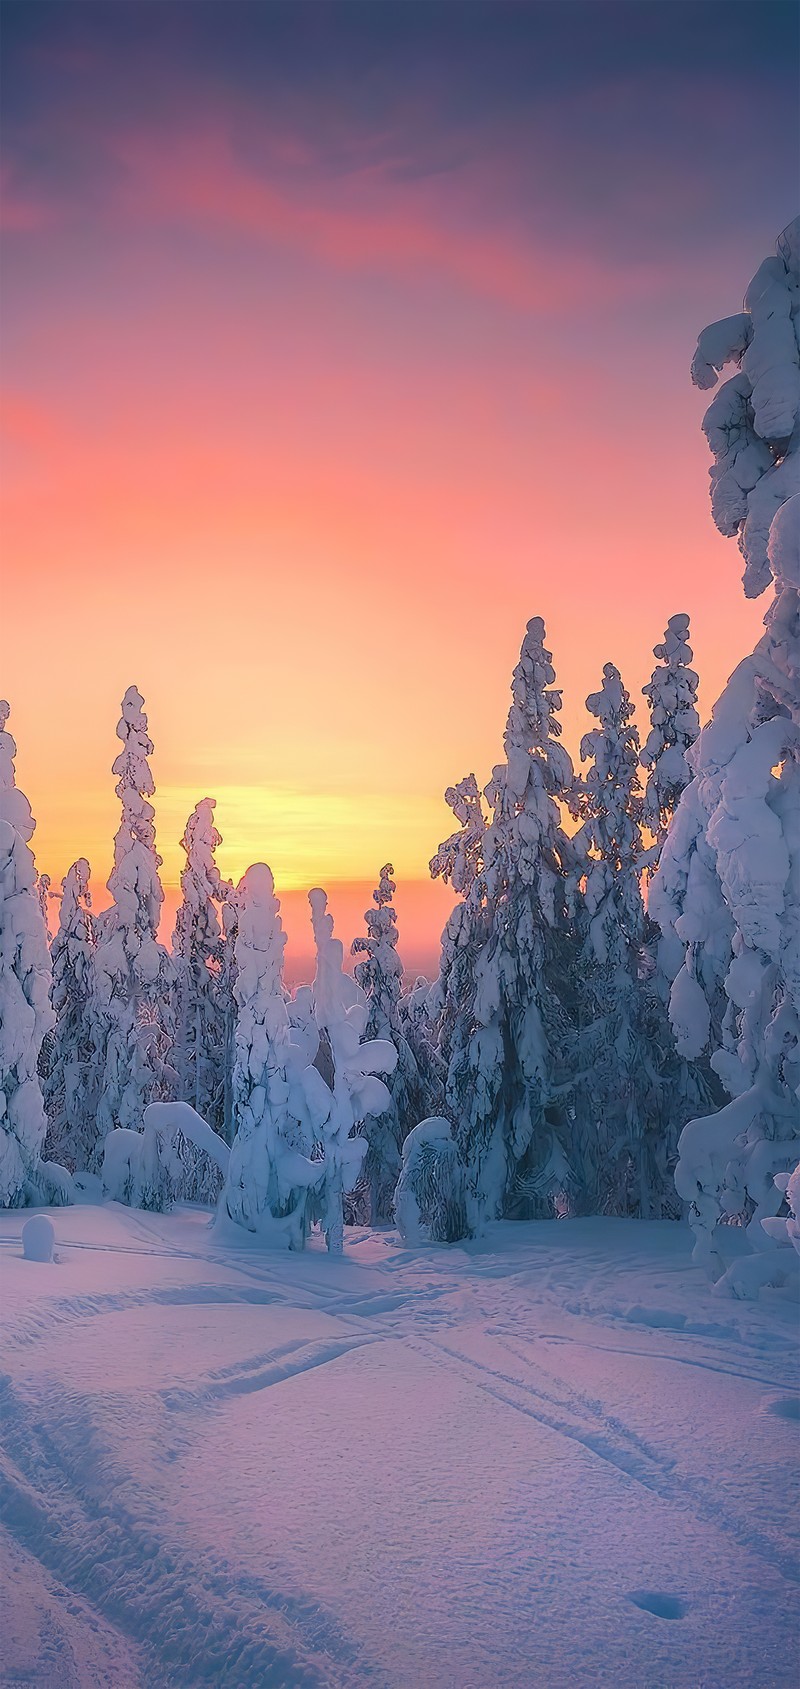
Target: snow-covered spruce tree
column 270, row 1172
column 728, row 885
column 505, row 1084
column 133, row 973
column 674, row 725
column 226, row 979
column 459, row 862
column 341, row 1089
column 197, row 942
column 633, row 1091
column 25, row 1014
column 70, row 1085
column 44, row 894
column 380, row 977
column 421, row 1031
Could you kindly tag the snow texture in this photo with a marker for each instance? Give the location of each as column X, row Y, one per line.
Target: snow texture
column 516, row 1461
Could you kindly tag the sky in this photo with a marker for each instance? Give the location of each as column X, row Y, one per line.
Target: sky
column 337, row 341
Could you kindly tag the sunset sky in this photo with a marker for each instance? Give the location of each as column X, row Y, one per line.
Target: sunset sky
column 337, row 341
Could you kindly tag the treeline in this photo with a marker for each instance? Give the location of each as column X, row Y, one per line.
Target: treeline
column 544, row 1042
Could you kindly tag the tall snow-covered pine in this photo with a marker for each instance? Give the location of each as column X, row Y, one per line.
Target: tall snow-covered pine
column 504, row 1084
column 197, row 942
column 25, row 978
column 70, row 1088
column 133, row 972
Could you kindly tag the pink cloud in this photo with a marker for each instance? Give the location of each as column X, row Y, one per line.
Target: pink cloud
column 368, row 222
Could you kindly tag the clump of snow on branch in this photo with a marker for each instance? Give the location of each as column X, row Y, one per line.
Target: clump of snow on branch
column 751, row 424
column 147, row 1169
column 25, row 975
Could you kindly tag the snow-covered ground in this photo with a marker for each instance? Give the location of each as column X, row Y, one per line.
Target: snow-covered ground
column 549, row 1459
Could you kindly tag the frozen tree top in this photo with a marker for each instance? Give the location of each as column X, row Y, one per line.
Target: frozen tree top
column 14, row 806
column 457, row 859
column 753, row 425
column 334, row 990
column 134, row 779
column 674, row 725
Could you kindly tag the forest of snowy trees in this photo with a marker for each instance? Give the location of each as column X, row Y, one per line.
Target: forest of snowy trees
column 615, row 1024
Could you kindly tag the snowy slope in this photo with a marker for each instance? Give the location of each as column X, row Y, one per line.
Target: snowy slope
column 514, row 1463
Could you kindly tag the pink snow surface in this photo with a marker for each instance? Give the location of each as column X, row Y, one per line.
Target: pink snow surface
column 549, row 1460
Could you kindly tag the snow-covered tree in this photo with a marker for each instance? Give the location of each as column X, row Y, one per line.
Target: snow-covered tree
column 459, row 863
column 133, row 973
column 421, row 1032
column 430, row 1200
column 672, row 697
column 226, row 980
column 728, row 885
column 270, row 1171
column 380, row 977
column 628, row 1095
column 342, row 1089
column 70, row 1086
column 197, row 943
column 505, row 1006
column 44, row 894
column 25, row 976
column 751, row 424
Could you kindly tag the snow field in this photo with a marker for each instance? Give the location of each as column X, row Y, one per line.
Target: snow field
column 519, row 1462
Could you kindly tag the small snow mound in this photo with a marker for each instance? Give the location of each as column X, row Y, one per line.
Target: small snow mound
column 38, row 1239
column 660, row 1605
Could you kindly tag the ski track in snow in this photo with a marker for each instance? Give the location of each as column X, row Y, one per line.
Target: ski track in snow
column 82, row 1469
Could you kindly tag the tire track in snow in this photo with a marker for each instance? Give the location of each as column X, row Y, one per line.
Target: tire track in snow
column 261, row 1372
column 566, row 1415
column 617, row 1444
column 661, row 1355
column 200, row 1621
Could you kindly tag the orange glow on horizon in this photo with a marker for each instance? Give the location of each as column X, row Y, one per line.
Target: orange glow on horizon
column 299, row 453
